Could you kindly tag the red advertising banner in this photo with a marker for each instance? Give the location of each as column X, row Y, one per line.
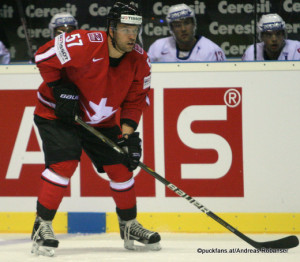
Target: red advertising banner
column 203, row 141
column 203, row 151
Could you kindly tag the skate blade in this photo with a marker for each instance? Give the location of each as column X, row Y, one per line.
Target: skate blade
column 154, row 246
column 42, row 250
column 129, row 244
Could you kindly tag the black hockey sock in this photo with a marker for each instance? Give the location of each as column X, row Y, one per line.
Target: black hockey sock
column 127, row 214
column 45, row 213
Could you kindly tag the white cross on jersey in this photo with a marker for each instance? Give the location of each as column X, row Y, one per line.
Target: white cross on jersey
column 101, row 111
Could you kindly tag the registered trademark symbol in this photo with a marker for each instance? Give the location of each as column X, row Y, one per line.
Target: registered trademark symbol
column 232, row 98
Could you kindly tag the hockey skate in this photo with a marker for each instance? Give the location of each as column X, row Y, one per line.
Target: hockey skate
column 44, row 240
column 132, row 230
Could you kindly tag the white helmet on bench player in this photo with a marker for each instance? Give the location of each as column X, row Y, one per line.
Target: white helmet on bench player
column 65, row 21
column 180, row 12
column 270, row 22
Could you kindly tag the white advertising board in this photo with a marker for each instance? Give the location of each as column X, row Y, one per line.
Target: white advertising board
column 225, row 133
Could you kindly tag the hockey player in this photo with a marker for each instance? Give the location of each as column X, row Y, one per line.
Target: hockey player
column 4, row 54
column 92, row 74
column 62, row 22
column 184, row 45
column 275, row 45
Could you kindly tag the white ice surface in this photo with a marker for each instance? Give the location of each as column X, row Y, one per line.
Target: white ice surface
column 175, row 247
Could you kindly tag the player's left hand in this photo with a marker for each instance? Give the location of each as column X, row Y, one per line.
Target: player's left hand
column 131, row 144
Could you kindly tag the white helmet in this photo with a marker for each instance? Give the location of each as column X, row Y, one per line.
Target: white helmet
column 179, row 12
column 62, row 19
column 270, row 22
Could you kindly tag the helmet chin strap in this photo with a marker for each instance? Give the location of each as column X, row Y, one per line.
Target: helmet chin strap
column 113, row 41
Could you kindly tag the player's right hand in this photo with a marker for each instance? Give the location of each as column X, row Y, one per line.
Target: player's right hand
column 67, row 101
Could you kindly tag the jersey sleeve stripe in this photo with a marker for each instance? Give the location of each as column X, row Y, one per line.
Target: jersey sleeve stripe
column 43, row 101
column 46, row 55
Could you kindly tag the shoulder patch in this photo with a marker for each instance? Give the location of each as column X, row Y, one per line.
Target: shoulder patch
column 95, row 37
column 138, row 49
column 61, row 50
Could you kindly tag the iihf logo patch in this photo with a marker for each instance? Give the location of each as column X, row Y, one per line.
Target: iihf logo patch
column 95, row 37
column 138, row 49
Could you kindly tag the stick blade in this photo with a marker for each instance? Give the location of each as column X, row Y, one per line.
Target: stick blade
column 283, row 243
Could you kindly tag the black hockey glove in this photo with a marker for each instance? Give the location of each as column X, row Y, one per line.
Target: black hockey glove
column 132, row 146
column 67, row 102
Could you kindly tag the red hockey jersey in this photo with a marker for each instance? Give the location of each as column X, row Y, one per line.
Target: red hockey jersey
column 82, row 57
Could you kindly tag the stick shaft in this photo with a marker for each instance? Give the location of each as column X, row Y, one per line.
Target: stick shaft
column 27, row 38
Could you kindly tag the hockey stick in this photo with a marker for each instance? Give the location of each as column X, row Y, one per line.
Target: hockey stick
column 255, row 31
column 24, row 25
column 283, row 243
